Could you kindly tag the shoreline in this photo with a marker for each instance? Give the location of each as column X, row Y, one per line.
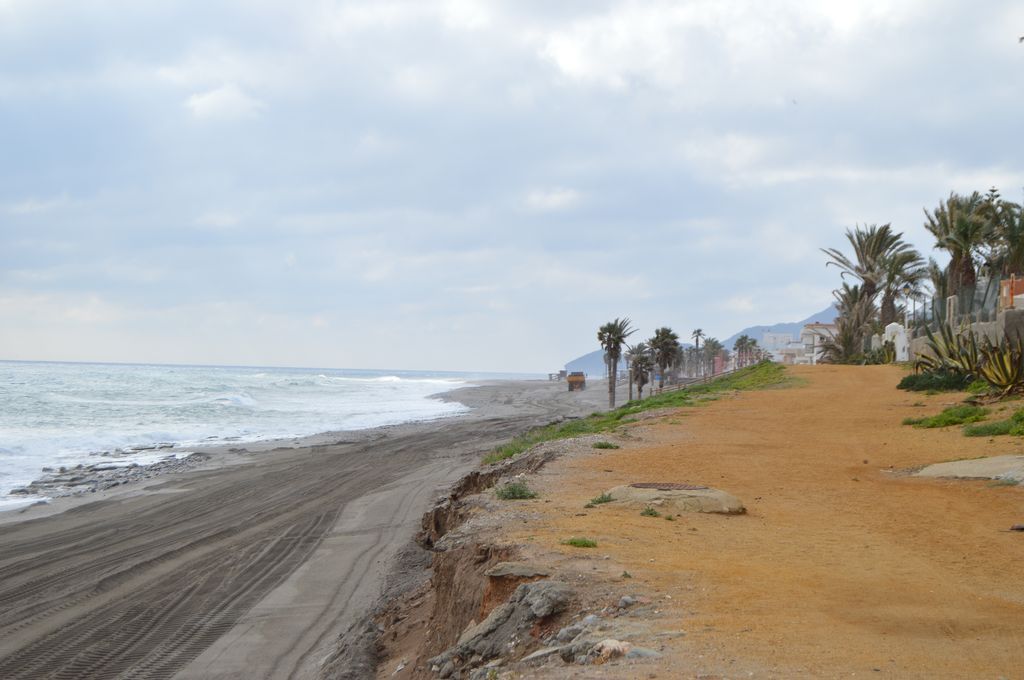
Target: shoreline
column 67, row 487
column 320, row 524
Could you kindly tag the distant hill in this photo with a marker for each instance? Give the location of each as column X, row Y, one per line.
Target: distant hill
column 827, row 315
column 593, row 363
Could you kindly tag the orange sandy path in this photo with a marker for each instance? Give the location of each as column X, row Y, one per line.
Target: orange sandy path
column 839, row 567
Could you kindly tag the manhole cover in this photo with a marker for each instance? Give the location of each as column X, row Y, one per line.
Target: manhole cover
column 667, row 486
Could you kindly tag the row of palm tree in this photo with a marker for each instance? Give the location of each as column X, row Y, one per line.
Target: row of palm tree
column 983, row 234
column 661, row 353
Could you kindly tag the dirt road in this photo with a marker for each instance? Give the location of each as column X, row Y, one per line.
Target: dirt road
column 841, row 567
column 246, row 571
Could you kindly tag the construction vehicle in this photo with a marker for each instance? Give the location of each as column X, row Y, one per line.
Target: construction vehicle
column 577, row 381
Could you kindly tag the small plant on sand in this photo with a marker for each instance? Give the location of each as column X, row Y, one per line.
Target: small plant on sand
column 650, row 512
column 940, row 381
column 580, row 542
column 954, row 415
column 626, row 574
column 515, row 491
column 670, row 518
column 605, row 445
column 603, row 498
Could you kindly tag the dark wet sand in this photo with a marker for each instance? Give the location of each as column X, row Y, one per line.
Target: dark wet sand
column 249, row 568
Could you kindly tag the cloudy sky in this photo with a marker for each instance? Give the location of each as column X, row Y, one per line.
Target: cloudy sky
column 469, row 184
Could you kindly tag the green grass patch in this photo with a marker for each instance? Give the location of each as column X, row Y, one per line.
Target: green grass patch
column 605, row 445
column 580, row 542
column 650, row 512
column 603, row 498
column 954, row 415
column 934, row 382
column 1013, row 425
column 515, row 491
column 670, row 518
column 761, row 376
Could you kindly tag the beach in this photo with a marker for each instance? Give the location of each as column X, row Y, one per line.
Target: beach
column 855, row 556
column 249, row 565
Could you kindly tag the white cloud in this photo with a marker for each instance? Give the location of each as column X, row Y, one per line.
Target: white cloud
column 553, row 199
column 226, row 102
column 218, row 219
column 739, row 303
column 35, row 205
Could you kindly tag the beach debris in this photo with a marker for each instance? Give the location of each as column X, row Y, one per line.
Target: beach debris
column 1017, row 527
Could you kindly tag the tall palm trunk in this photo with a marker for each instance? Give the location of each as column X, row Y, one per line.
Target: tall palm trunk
column 612, row 368
column 887, row 311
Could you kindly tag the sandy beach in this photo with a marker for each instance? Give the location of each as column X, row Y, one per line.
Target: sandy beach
column 250, row 566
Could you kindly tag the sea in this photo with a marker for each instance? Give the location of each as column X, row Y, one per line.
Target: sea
column 65, row 414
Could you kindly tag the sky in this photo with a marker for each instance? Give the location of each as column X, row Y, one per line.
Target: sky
column 461, row 185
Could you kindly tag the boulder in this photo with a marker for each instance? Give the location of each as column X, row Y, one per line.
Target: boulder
column 675, row 497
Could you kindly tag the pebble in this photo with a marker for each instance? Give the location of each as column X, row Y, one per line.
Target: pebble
column 626, row 601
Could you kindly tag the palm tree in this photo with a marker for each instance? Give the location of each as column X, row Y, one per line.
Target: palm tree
column 1005, row 237
column 743, row 346
column 612, row 337
column 641, row 367
column 872, row 246
column 903, row 268
column 959, row 227
column 712, row 347
column 664, row 345
column 697, row 335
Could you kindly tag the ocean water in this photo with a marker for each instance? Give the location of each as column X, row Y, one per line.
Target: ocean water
column 63, row 414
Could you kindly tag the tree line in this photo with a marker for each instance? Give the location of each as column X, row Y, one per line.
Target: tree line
column 982, row 234
column 663, row 356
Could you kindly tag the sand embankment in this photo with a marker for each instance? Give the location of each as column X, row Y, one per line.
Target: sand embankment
column 249, row 569
column 844, row 564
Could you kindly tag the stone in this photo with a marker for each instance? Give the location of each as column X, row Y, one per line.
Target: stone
column 542, row 653
column 609, row 649
column 626, row 601
column 699, row 499
column 591, row 620
column 642, row 653
column 516, row 570
column 506, row 626
column 569, row 633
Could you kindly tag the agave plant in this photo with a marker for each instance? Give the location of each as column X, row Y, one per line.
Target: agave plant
column 952, row 351
column 1003, row 364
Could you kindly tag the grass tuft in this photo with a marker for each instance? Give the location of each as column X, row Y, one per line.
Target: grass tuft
column 516, row 491
column 650, row 512
column 605, row 445
column 954, row 415
column 761, row 376
column 580, row 542
column 1013, row 425
column 603, row 498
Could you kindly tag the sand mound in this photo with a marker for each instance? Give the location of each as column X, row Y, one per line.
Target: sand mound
column 678, row 497
column 996, row 467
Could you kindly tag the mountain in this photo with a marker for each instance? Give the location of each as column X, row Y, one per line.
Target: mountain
column 593, row 363
column 827, row 315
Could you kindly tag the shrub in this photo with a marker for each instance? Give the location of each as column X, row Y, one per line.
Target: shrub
column 954, row 415
column 603, row 498
column 605, row 445
column 943, row 381
column 580, row 542
column 650, row 512
column 516, row 491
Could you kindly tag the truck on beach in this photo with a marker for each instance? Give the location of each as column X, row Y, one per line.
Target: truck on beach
column 577, row 381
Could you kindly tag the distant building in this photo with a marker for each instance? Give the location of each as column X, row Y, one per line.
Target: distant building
column 807, row 350
column 773, row 341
